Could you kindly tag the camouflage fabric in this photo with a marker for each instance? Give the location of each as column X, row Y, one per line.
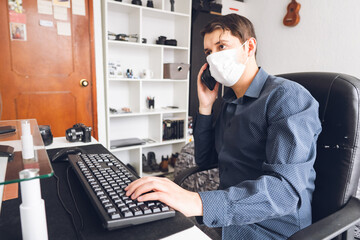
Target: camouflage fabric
column 199, row 182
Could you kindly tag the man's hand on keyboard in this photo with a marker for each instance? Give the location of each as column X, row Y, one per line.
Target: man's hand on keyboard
column 166, row 191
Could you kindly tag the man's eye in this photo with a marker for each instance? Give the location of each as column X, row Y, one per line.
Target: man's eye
column 222, row 47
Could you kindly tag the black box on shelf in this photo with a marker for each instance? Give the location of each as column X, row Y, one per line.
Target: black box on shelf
column 173, row 129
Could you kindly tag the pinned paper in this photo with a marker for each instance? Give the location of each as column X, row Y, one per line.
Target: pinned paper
column 15, row 5
column 62, row 3
column 63, row 28
column 17, row 17
column 45, row 7
column 60, row 13
column 46, row 23
column 78, row 7
column 18, row 31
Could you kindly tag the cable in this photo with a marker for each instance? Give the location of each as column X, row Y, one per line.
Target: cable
column 66, row 209
column 75, row 204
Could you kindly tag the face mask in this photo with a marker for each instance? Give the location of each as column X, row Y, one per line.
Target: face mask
column 225, row 68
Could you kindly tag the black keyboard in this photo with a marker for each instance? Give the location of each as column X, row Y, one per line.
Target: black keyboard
column 104, row 178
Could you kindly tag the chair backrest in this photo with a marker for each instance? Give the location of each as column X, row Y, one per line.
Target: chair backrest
column 337, row 163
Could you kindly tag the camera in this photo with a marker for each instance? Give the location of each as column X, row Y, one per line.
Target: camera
column 78, row 133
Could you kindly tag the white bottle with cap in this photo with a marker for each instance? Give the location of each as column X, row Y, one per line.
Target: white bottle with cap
column 27, row 141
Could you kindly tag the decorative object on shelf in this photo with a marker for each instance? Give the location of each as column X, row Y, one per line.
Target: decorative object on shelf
column 151, row 158
column 123, row 110
column 150, row 4
column 172, row 2
column 118, row 0
column 161, row 40
column 114, row 68
column 292, row 17
column 147, row 73
column 171, row 42
column 125, row 142
column 145, row 165
column 143, row 40
column 136, row 2
column 150, row 102
column 126, row 110
column 122, row 37
column 129, row 73
column 78, row 133
column 111, row 35
column 113, row 110
column 164, row 165
column 173, row 128
column 170, row 107
column 173, row 159
column 133, row 37
column 176, row 70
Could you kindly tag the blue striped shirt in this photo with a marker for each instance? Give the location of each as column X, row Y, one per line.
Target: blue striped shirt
column 265, row 145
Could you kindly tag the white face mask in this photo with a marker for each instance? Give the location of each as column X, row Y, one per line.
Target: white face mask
column 224, row 66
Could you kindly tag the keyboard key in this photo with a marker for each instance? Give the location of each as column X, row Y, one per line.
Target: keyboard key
column 114, row 215
column 128, row 213
column 110, row 209
column 145, row 209
column 155, row 209
column 163, row 207
column 137, row 211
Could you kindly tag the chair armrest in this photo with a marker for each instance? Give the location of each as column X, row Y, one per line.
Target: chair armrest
column 187, row 172
column 332, row 225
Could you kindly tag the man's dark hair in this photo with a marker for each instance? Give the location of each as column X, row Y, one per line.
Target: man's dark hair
column 239, row 26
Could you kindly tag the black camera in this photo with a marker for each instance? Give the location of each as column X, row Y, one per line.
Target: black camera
column 78, row 133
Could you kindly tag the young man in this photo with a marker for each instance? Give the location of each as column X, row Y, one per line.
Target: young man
column 264, row 142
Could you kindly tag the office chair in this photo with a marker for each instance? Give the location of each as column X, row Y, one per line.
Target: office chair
column 335, row 210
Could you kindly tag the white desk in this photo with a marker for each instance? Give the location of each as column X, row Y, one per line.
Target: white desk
column 61, row 142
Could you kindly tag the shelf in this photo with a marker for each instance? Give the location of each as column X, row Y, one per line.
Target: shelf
column 144, row 45
column 149, row 58
column 154, row 174
column 154, row 10
column 149, row 145
column 147, row 112
column 145, row 80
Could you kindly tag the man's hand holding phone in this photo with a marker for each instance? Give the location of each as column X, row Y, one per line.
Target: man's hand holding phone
column 206, row 96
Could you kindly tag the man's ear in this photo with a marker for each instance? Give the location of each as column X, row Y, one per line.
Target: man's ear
column 252, row 46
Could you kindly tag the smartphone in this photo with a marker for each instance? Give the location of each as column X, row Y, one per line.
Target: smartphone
column 7, row 129
column 207, row 79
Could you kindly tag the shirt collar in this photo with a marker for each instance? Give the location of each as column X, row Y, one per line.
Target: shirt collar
column 253, row 90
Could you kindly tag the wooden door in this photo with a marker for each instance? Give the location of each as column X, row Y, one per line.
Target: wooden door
column 41, row 68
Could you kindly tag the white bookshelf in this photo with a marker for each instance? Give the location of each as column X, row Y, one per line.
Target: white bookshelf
column 150, row 23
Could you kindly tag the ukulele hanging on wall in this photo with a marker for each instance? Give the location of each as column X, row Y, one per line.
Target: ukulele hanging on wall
column 292, row 16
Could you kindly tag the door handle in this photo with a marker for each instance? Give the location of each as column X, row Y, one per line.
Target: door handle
column 84, row 83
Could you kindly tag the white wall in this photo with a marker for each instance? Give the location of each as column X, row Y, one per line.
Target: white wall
column 101, row 111
column 326, row 39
